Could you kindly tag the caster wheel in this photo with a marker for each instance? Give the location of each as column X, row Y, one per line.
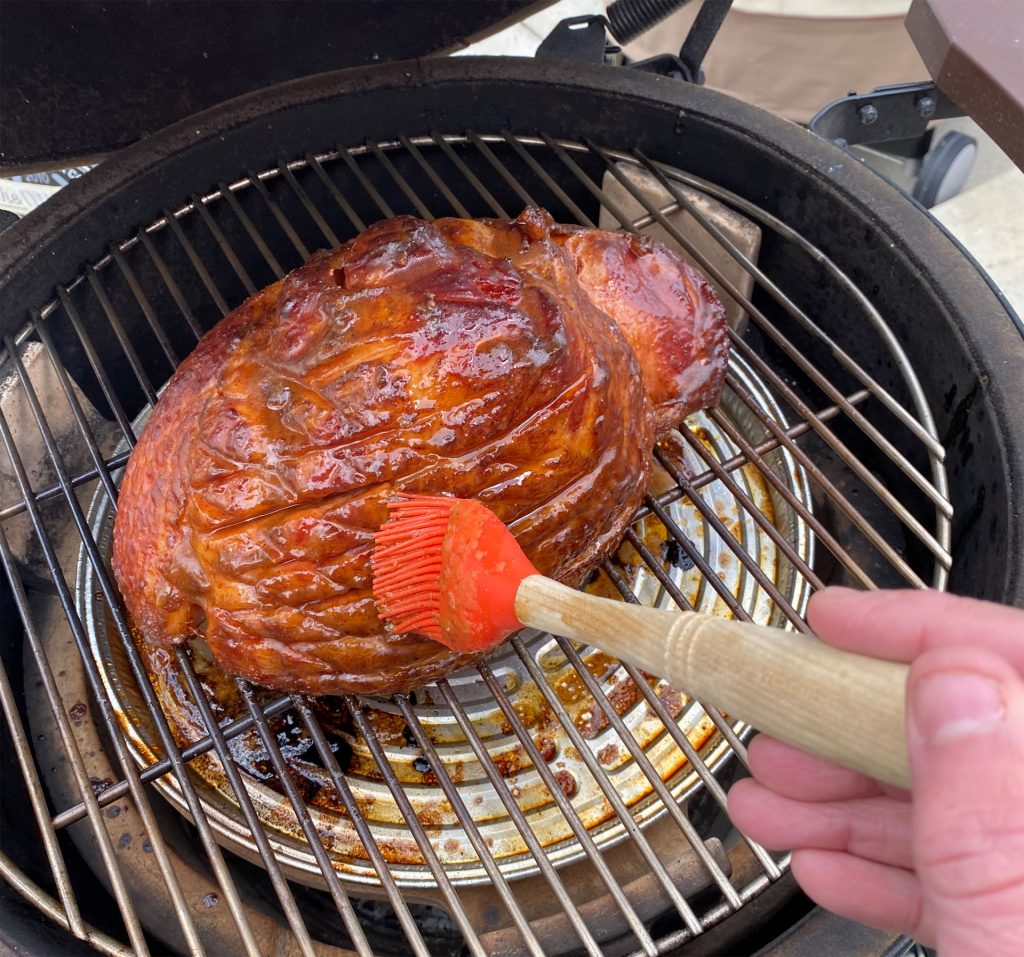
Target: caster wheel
column 945, row 169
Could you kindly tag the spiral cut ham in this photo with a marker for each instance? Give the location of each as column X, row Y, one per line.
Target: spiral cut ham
column 527, row 365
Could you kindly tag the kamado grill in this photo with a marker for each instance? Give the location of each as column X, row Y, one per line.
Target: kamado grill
column 552, row 800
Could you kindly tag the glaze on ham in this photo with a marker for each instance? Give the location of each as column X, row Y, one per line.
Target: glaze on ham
column 527, row 365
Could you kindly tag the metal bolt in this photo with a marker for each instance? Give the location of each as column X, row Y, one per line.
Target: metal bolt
column 868, row 114
column 926, row 106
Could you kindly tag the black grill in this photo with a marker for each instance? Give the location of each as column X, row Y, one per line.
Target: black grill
column 824, row 464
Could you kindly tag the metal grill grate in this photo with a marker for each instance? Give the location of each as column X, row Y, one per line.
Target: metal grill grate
column 825, row 473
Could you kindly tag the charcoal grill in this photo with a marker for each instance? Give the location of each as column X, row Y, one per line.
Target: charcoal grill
column 549, row 801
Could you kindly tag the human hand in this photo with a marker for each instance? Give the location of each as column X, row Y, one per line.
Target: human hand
column 943, row 863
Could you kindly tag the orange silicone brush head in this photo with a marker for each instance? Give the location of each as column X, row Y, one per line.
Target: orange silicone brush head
column 448, row 568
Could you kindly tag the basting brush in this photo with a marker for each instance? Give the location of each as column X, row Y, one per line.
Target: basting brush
column 449, row 569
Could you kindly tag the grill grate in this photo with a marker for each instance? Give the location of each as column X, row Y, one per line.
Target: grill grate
column 196, row 262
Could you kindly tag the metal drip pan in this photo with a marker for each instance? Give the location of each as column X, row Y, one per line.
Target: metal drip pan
column 681, row 550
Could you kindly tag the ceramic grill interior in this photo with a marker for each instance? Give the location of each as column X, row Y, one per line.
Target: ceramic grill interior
column 551, row 800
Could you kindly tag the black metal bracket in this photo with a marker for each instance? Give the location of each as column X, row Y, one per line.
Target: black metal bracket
column 576, row 38
column 584, row 38
column 888, row 113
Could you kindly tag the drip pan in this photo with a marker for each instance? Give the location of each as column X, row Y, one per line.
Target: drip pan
column 680, row 562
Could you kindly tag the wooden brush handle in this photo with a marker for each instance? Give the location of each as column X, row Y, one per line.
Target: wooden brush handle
column 844, row 707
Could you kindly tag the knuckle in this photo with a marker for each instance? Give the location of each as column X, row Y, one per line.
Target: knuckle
column 977, row 864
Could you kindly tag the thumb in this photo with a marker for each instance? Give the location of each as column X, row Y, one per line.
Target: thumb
column 965, row 725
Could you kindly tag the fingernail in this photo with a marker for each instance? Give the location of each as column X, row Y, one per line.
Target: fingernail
column 951, row 705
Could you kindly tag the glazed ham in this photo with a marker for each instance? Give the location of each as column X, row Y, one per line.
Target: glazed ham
column 528, row 365
column 669, row 314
